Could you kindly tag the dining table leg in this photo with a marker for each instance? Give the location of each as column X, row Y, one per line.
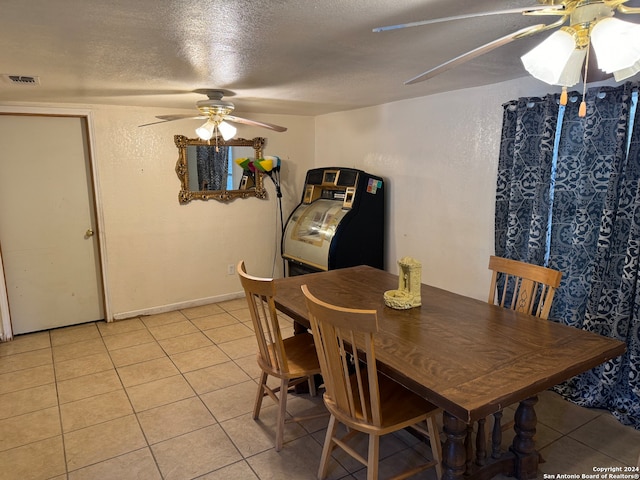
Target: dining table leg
column 523, row 446
column 453, row 454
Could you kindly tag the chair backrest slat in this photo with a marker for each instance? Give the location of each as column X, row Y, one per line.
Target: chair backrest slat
column 352, row 385
column 522, row 286
column 260, row 293
column 544, row 291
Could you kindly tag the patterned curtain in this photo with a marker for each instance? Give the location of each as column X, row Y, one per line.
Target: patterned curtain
column 213, row 167
column 594, row 239
column 597, row 245
column 524, row 171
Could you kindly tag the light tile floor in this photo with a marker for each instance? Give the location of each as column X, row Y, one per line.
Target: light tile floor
column 169, row 396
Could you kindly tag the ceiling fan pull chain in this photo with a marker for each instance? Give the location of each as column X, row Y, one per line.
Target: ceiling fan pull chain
column 564, row 96
column 582, row 111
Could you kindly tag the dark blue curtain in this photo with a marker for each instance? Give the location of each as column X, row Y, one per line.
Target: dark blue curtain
column 524, row 173
column 581, row 217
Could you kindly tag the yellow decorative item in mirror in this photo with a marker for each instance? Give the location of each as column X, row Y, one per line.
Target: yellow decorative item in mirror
column 265, row 164
column 244, row 163
column 269, row 164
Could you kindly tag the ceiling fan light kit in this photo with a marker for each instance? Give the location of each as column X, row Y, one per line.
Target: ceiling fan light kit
column 215, row 110
column 213, row 126
column 559, row 59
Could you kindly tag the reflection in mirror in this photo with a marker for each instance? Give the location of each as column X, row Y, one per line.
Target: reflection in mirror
column 207, row 169
column 215, row 169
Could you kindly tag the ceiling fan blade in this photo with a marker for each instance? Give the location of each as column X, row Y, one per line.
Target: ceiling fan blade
column 270, row 126
column 476, row 52
column 171, row 118
column 628, row 10
column 184, row 116
column 524, row 10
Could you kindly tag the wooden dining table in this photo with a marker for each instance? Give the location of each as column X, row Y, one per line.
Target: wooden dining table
column 464, row 355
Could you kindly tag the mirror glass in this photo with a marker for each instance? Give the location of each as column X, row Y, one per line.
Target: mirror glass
column 208, row 170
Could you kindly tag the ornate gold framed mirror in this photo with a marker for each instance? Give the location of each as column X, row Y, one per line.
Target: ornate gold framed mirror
column 208, row 170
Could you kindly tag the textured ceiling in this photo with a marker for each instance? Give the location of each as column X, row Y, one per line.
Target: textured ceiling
column 305, row 57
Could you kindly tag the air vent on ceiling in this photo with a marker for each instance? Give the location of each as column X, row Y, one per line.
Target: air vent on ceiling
column 22, row 79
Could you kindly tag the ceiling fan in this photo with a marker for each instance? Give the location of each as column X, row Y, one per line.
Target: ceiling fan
column 559, row 62
column 217, row 113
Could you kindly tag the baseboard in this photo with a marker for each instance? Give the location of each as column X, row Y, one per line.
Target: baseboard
column 177, row 306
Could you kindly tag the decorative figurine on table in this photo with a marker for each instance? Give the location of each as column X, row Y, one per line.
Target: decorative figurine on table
column 409, row 282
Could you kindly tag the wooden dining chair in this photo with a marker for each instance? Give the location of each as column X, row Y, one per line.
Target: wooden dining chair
column 293, row 360
column 357, row 395
column 526, row 288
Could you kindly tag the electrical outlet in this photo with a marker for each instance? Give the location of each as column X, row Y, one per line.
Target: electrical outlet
column 231, row 269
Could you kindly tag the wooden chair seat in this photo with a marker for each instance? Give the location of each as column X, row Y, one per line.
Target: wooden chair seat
column 301, row 357
column 397, row 406
column 357, row 396
column 293, row 359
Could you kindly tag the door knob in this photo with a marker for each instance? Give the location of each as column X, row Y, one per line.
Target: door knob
column 88, row 233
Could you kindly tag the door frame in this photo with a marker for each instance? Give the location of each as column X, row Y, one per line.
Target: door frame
column 6, row 332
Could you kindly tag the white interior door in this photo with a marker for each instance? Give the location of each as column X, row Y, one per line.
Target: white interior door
column 47, row 220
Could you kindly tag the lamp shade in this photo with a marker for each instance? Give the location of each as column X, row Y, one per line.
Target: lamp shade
column 205, row 132
column 227, row 130
column 617, row 46
column 556, row 60
column 625, row 73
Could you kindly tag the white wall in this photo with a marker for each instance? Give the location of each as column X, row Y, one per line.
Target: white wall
column 439, row 156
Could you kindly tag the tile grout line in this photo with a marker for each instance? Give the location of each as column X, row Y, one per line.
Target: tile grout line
column 135, row 413
column 55, row 382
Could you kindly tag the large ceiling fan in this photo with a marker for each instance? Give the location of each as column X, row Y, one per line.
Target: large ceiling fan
column 217, row 113
column 559, row 59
